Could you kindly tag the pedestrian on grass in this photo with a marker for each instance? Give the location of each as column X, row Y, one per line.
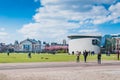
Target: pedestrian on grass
column 8, row 53
column 92, row 53
column 72, row 52
column 78, row 56
column 85, row 54
column 29, row 55
column 118, row 54
column 99, row 58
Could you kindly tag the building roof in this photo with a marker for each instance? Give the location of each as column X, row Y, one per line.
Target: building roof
column 33, row 41
column 115, row 35
column 84, row 36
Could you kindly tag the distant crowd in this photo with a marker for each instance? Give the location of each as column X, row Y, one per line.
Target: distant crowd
column 85, row 54
column 91, row 53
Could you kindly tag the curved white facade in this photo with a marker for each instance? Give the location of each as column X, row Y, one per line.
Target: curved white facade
column 83, row 43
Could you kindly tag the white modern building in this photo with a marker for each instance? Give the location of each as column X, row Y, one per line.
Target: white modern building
column 84, row 42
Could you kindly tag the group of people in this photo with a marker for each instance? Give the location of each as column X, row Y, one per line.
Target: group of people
column 108, row 53
column 85, row 54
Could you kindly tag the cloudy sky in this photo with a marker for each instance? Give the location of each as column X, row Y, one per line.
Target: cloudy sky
column 54, row 20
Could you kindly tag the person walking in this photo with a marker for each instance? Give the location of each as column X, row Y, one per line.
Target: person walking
column 118, row 54
column 85, row 54
column 8, row 52
column 99, row 58
column 78, row 56
column 29, row 55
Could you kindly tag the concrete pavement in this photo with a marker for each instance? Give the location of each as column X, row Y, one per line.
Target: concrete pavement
column 12, row 66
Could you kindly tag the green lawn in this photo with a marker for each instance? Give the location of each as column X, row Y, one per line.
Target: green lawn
column 64, row 57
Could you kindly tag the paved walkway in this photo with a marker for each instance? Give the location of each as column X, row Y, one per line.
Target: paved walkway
column 9, row 66
column 108, row 70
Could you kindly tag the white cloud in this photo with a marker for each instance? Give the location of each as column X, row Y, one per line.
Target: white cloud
column 2, row 29
column 37, row 30
column 104, row 1
column 53, row 20
column 4, row 36
column 112, row 14
column 115, row 13
column 88, row 31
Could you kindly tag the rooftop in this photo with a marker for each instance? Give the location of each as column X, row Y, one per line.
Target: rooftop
column 84, row 36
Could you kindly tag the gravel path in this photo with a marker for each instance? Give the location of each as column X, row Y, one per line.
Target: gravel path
column 60, row 71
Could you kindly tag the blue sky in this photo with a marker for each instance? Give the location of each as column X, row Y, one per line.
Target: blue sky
column 54, row 20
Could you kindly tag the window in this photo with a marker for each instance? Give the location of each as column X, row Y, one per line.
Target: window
column 26, row 47
column 95, row 42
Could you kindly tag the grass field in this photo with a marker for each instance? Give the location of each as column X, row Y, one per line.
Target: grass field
column 63, row 57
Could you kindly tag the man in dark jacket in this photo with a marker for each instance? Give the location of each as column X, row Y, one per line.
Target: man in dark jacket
column 85, row 54
column 99, row 58
column 29, row 55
